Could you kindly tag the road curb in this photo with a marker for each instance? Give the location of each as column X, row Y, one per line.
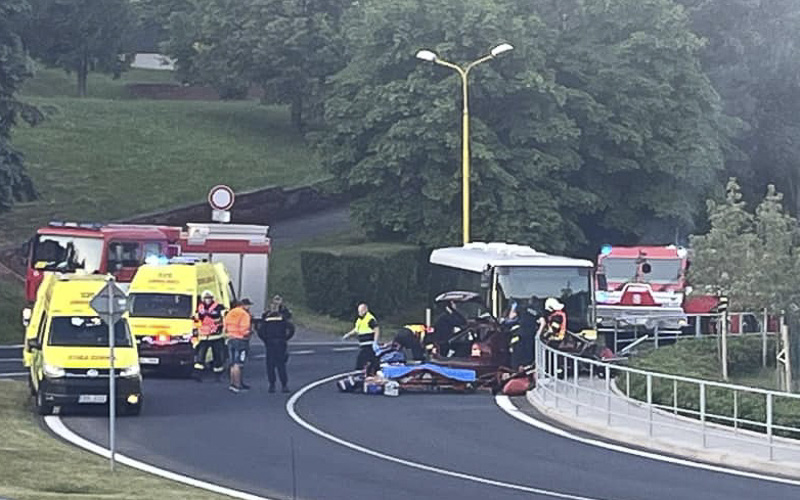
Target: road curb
column 639, row 440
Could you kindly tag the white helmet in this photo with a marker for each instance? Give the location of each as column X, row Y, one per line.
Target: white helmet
column 207, row 294
column 553, row 304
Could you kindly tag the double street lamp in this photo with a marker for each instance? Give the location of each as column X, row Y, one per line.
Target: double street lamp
column 463, row 72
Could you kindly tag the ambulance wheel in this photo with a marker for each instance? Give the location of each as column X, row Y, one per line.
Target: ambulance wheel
column 42, row 408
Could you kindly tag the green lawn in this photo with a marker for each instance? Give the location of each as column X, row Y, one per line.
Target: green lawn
column 11, row 301
column 101, row 159
column 37, row 467
column 57, row 83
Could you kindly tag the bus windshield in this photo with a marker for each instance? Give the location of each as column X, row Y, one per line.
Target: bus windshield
column 618, row 269
column 67, row 253
column 86, row 331
column 531, row 286
column 161, row 305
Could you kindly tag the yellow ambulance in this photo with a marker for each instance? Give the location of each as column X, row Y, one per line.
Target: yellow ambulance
column 164, row 298
column 66, row 348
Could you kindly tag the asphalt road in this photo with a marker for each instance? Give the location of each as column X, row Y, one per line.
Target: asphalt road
column 244, row 441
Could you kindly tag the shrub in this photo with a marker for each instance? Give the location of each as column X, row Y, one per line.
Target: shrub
column 386, row 276
column 697, row 358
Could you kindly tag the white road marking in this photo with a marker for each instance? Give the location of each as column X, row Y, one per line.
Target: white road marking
column 290, row 409
column 302, row 353
column 14, row 346
column 10, row 375
column 57, row 426
column 505, row 404
column 344, row 349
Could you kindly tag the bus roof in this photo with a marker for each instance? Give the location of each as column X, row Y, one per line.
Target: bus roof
column 477, row 257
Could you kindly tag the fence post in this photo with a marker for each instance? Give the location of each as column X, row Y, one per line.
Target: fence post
column 575, row 384
column 735, row 411
column 703, row 410
column 675, row 396
column 554, row 376
column 608, row 395
column 616, row 335
column 769, row 424
column 764, row 328
column 649, row 404
column 698, row 320
column 628, row 390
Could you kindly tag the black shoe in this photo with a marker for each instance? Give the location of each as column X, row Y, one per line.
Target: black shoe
column 234, row 389
column 285, row 390
column 245, row 387
column 271, row 388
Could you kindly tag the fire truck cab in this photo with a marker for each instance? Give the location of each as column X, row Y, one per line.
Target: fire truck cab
column 641, row 286
column 91, row 248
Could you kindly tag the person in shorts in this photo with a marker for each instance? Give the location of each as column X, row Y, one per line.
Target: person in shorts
column 238, row 325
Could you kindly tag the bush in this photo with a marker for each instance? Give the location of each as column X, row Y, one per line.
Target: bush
column 385, row 276
column 698, row 359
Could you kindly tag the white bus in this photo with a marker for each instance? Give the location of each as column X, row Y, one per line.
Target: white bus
column 504, row 273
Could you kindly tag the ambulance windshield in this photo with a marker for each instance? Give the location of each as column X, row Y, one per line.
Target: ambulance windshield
column 86, row 331
column 161, row 305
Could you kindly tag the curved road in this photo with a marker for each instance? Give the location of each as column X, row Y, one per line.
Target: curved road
column 244, row 442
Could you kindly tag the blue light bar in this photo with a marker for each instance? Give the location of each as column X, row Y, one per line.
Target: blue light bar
column 605, row 249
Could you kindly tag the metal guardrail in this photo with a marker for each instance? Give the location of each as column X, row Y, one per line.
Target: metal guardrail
column 703, row 325
column 563, row 376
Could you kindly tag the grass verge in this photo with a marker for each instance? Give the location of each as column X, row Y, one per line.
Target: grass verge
column 12, row 297
column 96, row 159
column 36, row 466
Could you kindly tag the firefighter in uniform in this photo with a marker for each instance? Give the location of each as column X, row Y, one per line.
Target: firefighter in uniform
column 368, row 332
column 208, row 320
column 554, row 328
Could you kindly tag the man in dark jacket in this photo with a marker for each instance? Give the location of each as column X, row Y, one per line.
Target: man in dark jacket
column 275, row 331
column 445, row 327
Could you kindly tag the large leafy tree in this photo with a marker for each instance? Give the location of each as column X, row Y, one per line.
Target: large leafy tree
column 599, row 121
column 14, row 68
column 287, row 47
column 81, row 36
column 753, row 59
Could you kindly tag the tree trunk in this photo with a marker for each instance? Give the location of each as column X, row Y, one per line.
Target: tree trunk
column 83, row 73
column 297, row 111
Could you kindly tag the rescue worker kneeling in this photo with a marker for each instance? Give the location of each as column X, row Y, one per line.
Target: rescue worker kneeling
column 208, row 318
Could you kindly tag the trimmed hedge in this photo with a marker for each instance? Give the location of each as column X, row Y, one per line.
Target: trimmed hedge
column 384, row 275
column 697, row 358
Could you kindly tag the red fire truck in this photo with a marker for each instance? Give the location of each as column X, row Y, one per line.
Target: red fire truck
column 120, row 249
column 642, row 286
column 650, row 281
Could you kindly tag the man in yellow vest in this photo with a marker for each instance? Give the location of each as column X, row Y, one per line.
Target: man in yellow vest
column 368, row 332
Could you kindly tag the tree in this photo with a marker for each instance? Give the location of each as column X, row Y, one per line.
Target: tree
column 80, row 36
column 752, row 257
column 287, row 47
column 600, row 118
column 753, row 58
column 14, row 68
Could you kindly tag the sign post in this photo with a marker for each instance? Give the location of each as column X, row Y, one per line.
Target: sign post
column 110, row 304
column 221, row 198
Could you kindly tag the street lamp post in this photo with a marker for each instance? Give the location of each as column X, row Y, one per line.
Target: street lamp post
column 463, row 72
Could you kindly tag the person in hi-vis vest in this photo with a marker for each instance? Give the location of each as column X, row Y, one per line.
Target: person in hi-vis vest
column 368, row 332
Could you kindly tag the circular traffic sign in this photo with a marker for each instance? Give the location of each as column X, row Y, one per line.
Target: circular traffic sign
column 221, row 197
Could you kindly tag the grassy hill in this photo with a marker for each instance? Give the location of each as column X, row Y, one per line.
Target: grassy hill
column 108, row 156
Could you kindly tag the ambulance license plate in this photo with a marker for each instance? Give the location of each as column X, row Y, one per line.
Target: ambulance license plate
column 149, row 361
column 92, row 398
